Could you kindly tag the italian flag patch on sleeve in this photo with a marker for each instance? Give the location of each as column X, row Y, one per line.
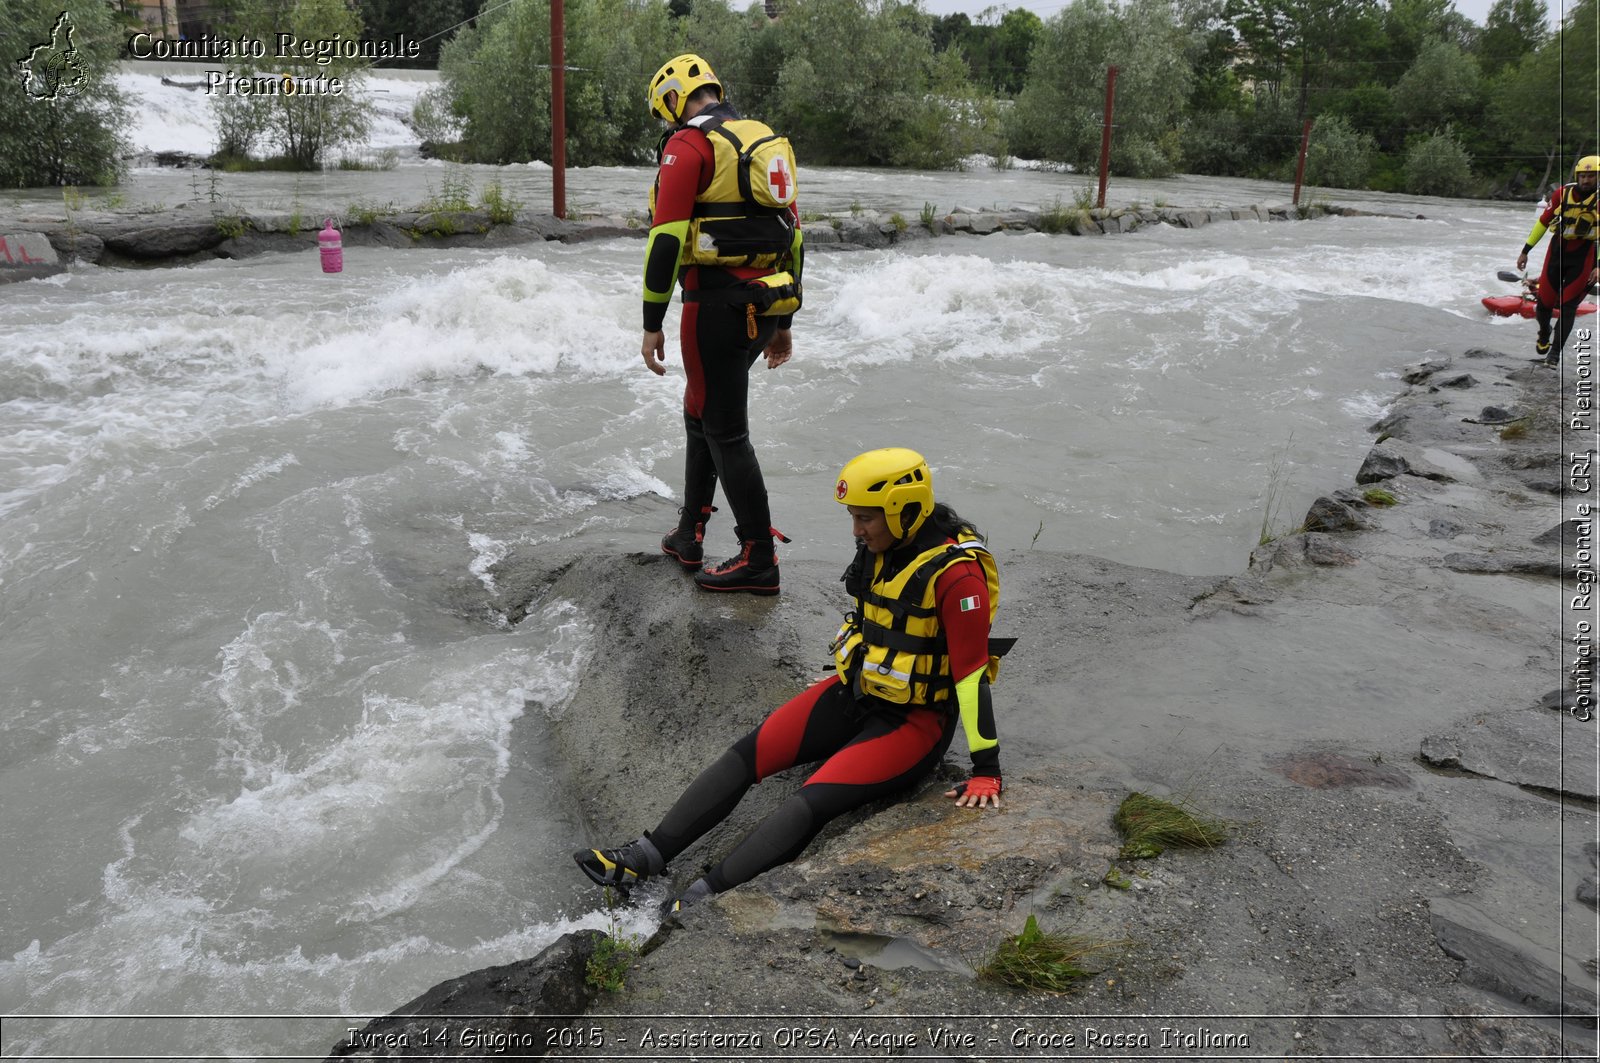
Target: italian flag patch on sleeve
column 969, row 604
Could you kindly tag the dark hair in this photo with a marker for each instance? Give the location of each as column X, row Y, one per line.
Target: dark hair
column 948, row 523
column 710, row 87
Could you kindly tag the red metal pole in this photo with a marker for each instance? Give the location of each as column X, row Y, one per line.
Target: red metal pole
column 1105, row 133
column 558, row 109
column 1300, row 167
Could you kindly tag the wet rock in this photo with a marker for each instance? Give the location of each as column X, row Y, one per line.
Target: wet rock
column 1416, row 374
column 1588, row 893
column 166, row 241
column 516, row 1005
column 1527, row 459
column 1194, row 219
column 1394, row 457
column 1439, row 528
column 1329, row 515
column 1568, row 534
column 1310, row 548
column 1498, row 415
column 27, row 256
column 1381, row 465
column 1562, row 699
column 1464, row 380
column 1546, row 487
column 1520, row 746
column 1503, row 564
column 1396, row 423
column 1482, row 352
column 1321, row 550
column 78, row 247
column 1330, row 771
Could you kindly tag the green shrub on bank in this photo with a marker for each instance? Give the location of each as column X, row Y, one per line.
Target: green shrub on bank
column 1438, row 165
column 75, row 139
column 1338, row 156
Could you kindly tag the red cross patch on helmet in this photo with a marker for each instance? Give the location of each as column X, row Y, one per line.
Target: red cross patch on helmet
column 842, row 490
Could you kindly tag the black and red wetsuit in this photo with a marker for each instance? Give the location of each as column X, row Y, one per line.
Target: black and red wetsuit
column 716, row 340
column 1569, row 261
column 868, row 747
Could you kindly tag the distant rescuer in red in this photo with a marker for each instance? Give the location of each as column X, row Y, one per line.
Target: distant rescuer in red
column 723, row 211
column 1569, row 262
column 914, row 662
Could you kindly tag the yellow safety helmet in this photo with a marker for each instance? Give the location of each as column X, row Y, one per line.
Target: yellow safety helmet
column 681, row 74
column 895, row 480
column 1587, row 164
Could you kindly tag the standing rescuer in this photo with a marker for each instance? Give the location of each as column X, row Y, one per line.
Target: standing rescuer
column 913, row 658
column 1569, row 262
column 723, row 212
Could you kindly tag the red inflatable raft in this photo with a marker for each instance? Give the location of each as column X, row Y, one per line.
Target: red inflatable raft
column 1512, row 305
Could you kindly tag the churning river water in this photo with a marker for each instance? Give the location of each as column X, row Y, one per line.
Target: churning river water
column 255, row 741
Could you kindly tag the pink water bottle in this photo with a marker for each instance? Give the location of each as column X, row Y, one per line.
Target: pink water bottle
column 332, row 247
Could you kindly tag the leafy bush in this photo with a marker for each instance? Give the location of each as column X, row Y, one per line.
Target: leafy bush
column 1438, row 165
column 1058, row 114
column 1338, row 156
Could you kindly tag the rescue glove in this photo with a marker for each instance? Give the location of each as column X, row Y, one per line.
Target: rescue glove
column 977, row 792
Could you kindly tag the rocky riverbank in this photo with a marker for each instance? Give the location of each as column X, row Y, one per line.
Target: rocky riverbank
column 1382, row 705
column 43, row 242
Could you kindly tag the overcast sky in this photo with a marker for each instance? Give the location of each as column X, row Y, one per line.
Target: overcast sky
column 1476, row 10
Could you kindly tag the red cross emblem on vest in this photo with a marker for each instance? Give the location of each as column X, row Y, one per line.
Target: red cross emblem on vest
column 778, row 179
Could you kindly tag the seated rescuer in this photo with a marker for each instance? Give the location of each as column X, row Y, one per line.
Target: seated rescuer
column 911, row 657
column 1570, row 267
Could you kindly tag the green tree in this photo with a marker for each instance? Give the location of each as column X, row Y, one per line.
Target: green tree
column 428, row 22
column 300, row 128
column 1288, row 45
column 496, row 79
column 1514, row 28
column 1058, row 114
column 1542, row 110
column 75, row 138
column 860, row 83
column 1410, row 25
column 1442, row 86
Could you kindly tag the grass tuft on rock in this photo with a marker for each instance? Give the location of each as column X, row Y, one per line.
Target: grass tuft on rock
column 1051, row 963
column 1377, row 496
column 1150, row 825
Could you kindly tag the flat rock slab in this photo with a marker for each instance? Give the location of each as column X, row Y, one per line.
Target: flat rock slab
column 1528, row 747
column 1502, row 962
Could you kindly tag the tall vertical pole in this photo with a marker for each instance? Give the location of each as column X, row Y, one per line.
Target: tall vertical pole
column 1105, row 134
column 1300, row 167
column 558, row 109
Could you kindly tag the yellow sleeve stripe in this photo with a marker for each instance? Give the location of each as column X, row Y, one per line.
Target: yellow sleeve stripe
column 967, row 698
column 1536, row 234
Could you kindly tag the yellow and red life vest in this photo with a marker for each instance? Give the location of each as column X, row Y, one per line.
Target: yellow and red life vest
column 891, row 646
